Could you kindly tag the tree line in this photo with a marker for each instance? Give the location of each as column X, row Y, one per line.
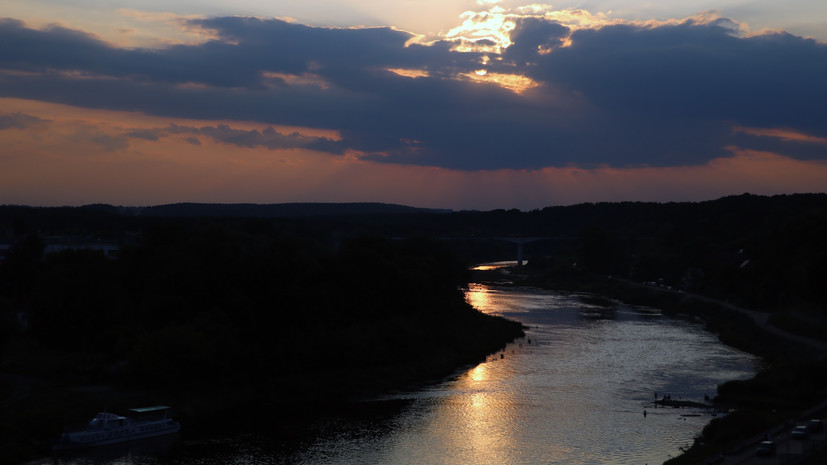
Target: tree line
column 207, row 306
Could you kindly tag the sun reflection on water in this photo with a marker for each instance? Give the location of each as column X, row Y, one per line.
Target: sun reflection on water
column 480, row 298
column 486, row 434
column 574, row 394
column 478, row 373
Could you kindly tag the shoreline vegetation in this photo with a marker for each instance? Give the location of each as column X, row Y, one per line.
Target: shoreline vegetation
column 792, row 380
column 239, row 331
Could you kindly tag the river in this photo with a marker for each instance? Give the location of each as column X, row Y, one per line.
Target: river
column 578, row 389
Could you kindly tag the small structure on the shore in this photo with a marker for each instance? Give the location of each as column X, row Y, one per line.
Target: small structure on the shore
column 667, row 401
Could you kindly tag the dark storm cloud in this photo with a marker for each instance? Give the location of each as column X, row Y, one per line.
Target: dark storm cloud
column 695, row 71
column 531, row 35
column 55, row 47
column 18, row 121
column 268, row 137
column 620, row 95
column 686, row 84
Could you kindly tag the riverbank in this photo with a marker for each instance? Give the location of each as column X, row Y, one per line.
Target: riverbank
column 749, row 330
column 43, row 391
column 235, row 328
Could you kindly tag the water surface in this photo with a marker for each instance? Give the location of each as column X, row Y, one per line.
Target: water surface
column 574, row 391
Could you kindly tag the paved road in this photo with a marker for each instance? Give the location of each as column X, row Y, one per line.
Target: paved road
column 788, row 450
column 760, row 318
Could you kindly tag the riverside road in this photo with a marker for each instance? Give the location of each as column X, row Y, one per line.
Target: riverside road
column 788, row 450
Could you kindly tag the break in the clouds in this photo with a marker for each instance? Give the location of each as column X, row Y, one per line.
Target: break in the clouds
column 526, row 89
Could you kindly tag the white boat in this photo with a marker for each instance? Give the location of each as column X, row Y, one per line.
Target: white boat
column 108, row 428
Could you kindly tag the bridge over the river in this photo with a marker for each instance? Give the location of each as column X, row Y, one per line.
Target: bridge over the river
column 519, row 241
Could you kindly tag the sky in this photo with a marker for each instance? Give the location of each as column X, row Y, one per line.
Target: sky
column 456, row 104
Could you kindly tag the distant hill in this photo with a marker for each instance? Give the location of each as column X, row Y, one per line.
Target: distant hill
column 278, row 210
column 755, row 251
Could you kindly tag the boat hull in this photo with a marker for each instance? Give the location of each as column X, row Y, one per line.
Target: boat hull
column 134, row 432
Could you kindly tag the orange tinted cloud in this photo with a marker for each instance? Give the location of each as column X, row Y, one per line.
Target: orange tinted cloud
column 62, row 155
column 783, row 134
column 582, row 92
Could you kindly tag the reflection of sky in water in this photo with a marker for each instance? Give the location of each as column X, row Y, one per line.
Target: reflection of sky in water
column 575, row 394
column 572, row 392
column 494, row 265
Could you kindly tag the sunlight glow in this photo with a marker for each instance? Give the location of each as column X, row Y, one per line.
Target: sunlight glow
column 490, row 31
column 479, row 401
column 513, row 82
column 783, row 134
column 573, row 18
column 487, row 414
column 479, row 297
column 486, row 31
column 410, row 73
column 479, row 373
column 176, row 29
